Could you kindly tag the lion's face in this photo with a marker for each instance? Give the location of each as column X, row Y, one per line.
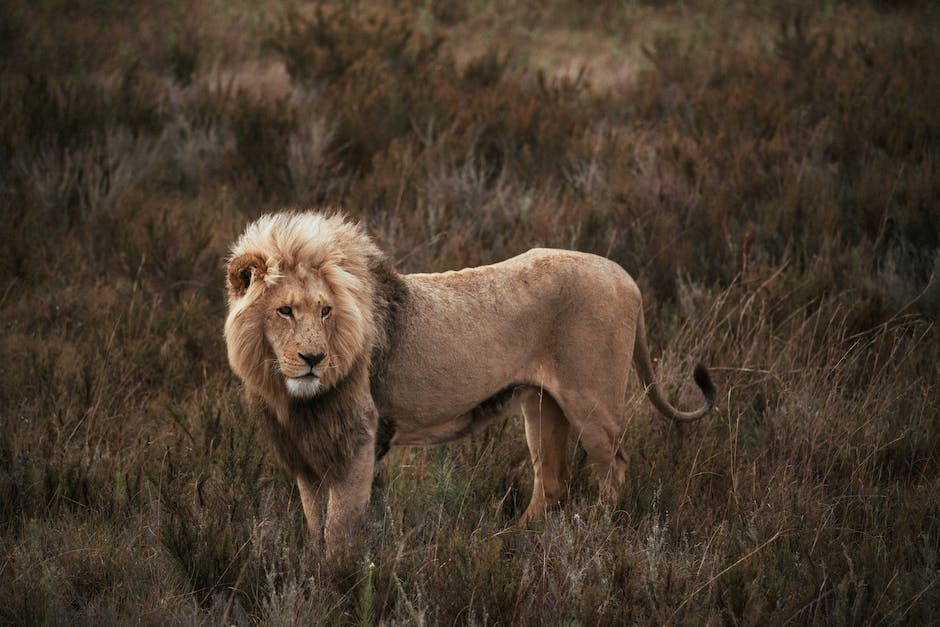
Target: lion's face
column 293, row 331
column 300, row 296
column 298, row 325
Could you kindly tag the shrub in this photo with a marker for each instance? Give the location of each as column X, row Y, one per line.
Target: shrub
column 262, row 130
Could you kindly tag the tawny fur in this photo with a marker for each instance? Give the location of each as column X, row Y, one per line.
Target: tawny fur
column 426, row 358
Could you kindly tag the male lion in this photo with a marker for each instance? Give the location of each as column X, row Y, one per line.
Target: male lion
column 349, row 357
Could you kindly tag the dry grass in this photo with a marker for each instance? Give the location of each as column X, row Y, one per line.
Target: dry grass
column 769, row 174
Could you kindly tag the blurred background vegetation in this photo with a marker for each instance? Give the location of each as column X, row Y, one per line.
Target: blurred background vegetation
column 767, row 171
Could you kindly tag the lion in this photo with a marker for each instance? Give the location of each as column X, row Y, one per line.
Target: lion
column 344, row 357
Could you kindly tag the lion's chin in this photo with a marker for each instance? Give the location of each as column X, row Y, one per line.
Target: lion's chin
column 303, row 387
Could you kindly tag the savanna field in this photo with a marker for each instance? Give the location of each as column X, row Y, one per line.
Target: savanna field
column 769, row 172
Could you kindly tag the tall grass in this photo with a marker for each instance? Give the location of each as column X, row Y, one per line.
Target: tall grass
column 769, row 174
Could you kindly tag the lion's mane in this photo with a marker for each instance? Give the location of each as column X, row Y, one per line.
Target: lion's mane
column 314, row 436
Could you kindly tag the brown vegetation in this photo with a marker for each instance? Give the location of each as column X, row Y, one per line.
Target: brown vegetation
column 768, row 174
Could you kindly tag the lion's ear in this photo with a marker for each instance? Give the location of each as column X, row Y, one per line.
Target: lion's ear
column 244, row 269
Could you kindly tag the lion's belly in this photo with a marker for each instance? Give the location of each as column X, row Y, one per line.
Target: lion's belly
column 426, row 435
column 412, row 430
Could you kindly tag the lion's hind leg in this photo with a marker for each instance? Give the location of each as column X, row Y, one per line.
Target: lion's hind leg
column 599, row 432
column 546, row 432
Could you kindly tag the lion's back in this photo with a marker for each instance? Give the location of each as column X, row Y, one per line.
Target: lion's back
column 543, row 265
column 519, row 291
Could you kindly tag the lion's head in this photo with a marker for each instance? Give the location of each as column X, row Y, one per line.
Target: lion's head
column 300, row 298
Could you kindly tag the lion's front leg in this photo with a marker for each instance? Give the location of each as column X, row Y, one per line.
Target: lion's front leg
column 313, row 498
column 349, row 498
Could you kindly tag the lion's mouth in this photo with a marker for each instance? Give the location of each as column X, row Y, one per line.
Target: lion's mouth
column 304, row 386
column 307, row 376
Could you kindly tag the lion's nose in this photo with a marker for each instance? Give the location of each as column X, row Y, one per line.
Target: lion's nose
column 310, row 359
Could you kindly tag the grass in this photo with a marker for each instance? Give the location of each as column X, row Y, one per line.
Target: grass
column 767, row 171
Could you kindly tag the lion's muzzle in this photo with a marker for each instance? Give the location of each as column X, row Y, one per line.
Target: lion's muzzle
column 311, row 360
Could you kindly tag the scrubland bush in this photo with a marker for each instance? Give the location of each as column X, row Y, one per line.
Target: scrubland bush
column 770, row 178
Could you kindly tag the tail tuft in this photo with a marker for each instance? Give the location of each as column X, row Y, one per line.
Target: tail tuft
column 704, row 381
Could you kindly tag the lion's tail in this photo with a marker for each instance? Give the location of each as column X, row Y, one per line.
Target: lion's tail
column 644, row 367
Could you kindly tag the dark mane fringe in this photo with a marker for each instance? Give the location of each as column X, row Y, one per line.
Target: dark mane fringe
column 321, row 434
column 388, row 305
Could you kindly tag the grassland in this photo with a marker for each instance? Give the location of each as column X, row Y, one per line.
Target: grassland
column 769, row 172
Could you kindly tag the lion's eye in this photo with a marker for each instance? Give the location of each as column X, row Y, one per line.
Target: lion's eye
column 326, row 311
column 286, row 311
